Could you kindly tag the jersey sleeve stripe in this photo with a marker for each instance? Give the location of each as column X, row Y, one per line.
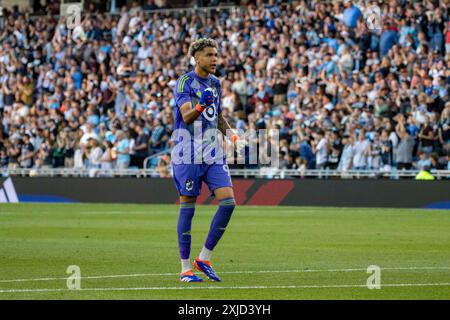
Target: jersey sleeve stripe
column 179, row 83
column 182, row 83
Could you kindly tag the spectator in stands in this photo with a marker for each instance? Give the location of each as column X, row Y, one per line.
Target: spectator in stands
column 3, row 158
column 26, row 158
column 130, row 135
column 123, row 151
column 423, row 162
column 404, row 152
column 106, row 160
column 158, row 138
column 388, row 38
column 58, row 154
column 426, row 136
column 306, row 153
column 348, row 151
column 44, row 155
column 386, row 151
column 164, row 166
column 335, row 150
column 351, row 14
column 88, row 134
column 141, row 146
column 13, row 152
column 361, row 152
column 150, row 5
column 320, row 149
column 95, row 154
column 375, row 147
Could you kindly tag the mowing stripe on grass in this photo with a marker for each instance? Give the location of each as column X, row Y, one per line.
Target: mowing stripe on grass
column 341, row 286
column 227, row 272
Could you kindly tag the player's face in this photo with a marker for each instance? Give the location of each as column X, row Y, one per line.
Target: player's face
column 207, row 59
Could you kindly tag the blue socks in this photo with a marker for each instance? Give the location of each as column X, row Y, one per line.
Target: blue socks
column 187, row 210
column 217, row 228
column 220, row 222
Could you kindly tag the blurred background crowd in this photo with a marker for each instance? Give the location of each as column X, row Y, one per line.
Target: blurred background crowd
column 344, row 94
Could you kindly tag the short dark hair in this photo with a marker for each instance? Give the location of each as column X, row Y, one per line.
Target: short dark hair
column 200, row 44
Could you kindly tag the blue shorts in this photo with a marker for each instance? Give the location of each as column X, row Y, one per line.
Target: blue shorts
column 189, row 177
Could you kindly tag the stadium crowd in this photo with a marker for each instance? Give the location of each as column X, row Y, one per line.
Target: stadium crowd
column 343, row 96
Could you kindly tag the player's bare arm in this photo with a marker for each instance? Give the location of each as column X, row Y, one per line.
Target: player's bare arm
column 188, row 113
column 223, row 125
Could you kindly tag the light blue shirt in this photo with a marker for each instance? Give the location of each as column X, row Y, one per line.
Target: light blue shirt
column 121, row 147
column 387, row 41
column 351, row 16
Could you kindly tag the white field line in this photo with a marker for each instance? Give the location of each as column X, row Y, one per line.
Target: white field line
column 91, row 212
column 230, row 288
column 225, row 272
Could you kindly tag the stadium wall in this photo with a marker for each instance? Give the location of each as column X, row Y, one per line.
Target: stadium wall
column 295, row 192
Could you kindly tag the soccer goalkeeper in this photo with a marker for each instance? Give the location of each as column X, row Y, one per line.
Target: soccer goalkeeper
column 198, row 109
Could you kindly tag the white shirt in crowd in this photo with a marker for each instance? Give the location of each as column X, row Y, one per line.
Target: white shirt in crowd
column 322, row 151
column 346, row 159
column 360, row 157
column 94, row 157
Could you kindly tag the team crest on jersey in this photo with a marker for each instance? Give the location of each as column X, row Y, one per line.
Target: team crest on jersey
column 210, row 113
column 189, row 185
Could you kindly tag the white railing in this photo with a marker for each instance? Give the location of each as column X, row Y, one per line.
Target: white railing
column 270, row 173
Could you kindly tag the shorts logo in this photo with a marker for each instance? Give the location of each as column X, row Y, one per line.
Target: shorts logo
column 189, row 185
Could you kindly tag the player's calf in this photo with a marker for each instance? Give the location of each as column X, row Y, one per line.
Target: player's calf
column 216, row 231
column 219, row 224
column 187, row 210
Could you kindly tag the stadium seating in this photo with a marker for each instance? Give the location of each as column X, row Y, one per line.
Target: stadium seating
column 344, row 94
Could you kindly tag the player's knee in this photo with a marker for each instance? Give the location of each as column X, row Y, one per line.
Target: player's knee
column 228, row 202
column 187, row 205
column 187, row 199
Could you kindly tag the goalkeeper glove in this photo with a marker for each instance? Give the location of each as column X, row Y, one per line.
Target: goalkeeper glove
column 206, row 99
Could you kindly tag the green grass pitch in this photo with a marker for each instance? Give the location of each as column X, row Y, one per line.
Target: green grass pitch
column 130, row 252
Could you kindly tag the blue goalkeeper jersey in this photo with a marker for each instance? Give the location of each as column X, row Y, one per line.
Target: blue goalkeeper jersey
column 189, row 88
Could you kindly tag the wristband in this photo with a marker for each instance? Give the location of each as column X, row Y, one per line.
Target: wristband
column 234, row 138
column 199, row 108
